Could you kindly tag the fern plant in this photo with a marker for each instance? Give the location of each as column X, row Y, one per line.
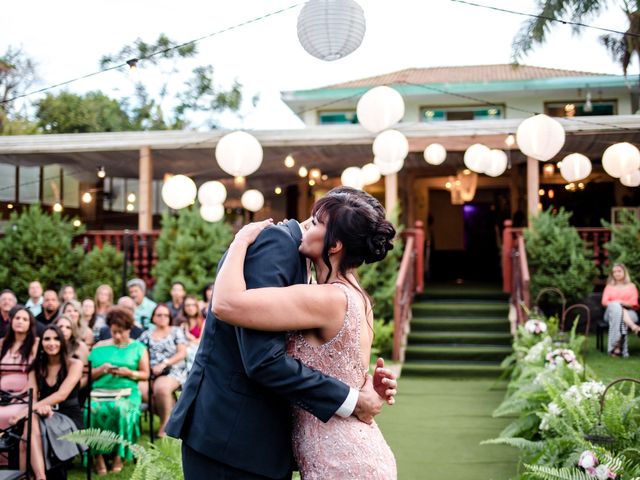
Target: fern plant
column 158, row 461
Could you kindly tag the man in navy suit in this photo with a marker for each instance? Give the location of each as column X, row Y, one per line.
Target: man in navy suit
column 233, row 415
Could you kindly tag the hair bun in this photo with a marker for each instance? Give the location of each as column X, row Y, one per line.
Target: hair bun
column 380, row 242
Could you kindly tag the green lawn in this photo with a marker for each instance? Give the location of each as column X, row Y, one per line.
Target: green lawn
column 609, row 368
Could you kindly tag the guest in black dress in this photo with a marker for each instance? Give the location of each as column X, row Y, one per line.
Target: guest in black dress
column 55, row 379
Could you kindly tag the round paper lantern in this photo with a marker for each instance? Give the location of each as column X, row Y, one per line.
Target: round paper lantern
column 390, row 146
column 352, row 177
column 179, row 192
column 620, row 159
column 331, row 29
column 212, row 213
column 252, row 200
column 389, row 168
column 575, row 167
column 540, row 137
column 435, row 154
column 239, row 154
column 476, row 158
column 497, row 160
column 380, row 108
column 631, row 179
column 212, row 193
column 370, row 173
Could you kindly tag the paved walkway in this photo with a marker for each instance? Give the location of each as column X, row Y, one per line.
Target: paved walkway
column 436, row 426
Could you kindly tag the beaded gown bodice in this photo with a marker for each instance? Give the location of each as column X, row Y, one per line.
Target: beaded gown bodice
column 342, row 447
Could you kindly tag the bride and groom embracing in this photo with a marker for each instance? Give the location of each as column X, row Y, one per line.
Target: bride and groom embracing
column 234, row 414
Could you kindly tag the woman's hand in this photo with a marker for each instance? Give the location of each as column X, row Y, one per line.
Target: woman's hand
column 250, row 232
column 44, row 411
column 123, row 372
column 15, row 419
column 158, row 369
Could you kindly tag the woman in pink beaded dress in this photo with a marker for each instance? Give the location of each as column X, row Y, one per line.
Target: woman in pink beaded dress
column 331, row 324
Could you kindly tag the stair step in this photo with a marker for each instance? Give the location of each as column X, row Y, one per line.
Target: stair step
column 435, row 337
column 457, row 352
column 460, row 308
column 451, row 369
column 488, row 324
column 454, row 293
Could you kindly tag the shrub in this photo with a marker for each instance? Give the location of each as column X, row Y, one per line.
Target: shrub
column 189, row 249
column 99, row 266
column 624, row 246
column 37, row 246
column 557, row 257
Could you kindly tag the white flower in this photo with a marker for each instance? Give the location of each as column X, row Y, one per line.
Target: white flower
column 592, row 389
column 588, row 459
column 544, row 422
column 537, row 352
column 535, row 326
column 572, row 395
column 554, row 409
column 602, row 472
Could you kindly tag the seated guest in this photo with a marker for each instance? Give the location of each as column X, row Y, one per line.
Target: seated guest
column 203, row 305
column 118, row 365
column 8, row 300
column 54, row 378
column 67, row 292
column 35, row 298
column 192, row 323
column 104, row 301
column 620, row 298
column 167, row 351
column 50, row 307
column 73, row 310
column 128, row 304
column 88, row 319
column 17, row 351
column 75, row 346
column 178, row 293
column 144, row 305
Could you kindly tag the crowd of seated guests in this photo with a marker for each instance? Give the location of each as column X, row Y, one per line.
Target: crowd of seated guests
column 46, row 343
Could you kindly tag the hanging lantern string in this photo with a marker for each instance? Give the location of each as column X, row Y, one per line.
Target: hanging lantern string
column 152, row 54
column 545, row 17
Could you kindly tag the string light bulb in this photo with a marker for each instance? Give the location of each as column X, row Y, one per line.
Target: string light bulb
column 101, row 172
column 77, row 223
column 131, row 198
column 303, row 172
column 289, row 162
column 510, row 141
column 278, row 190
column 130, row 207
column 133, row 65
column 57, row 207
column 86, row 197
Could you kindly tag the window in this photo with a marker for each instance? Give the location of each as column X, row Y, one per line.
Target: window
column 29, row 181
column 51, row 188
column 338, row 117
column 70, row 191
column 7, row 182
column 444, row 114
column 572, row 108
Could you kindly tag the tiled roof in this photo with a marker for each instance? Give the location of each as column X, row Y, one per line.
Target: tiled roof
column 465, row 74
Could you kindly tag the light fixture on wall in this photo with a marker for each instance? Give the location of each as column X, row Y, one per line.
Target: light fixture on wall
column 548, row 170
column 588, row 106
column 101, row 172
column 86, row 197
column 462, row 187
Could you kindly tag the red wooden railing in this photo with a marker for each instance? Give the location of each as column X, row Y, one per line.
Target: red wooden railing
column 515, row 267
column 139, row 247
column 410, row 281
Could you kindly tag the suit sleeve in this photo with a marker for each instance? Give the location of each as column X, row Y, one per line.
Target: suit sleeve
column 273, row 261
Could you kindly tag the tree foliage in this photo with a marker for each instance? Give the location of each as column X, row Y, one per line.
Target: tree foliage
column 189, row 249
column 17, row 75
column 100, row 265
column 557, row 256
column 624, row 246
column 37, row 246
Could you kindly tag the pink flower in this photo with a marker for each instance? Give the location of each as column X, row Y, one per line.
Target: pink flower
column 588, row 461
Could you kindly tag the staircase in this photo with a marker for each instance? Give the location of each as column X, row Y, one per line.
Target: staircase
column 458, row 331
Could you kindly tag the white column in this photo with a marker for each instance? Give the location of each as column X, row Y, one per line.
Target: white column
column 390, row 193
column 145, row 184
column 533, row 185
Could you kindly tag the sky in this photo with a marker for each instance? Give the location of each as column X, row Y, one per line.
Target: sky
column 68, row 37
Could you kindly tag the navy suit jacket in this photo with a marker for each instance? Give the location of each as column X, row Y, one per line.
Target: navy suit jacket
column 235, row 404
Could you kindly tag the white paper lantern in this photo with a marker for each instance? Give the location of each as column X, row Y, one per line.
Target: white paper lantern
column 497, row 160
column 435, row 154
column 389, row 168
column 352, row 177
column 331, row 29
column 212, row 193
column 380, row 108
column 540, row 137
column 575, row 167
column 370, row 173
column 620, row 159
column 212, row 213
column 631, row 179
column 179, row 192
column 390, row 146
column 252, row 200
column 476, row 158
column 239, row 154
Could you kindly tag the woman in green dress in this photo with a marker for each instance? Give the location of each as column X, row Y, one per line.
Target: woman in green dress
column 118, row 364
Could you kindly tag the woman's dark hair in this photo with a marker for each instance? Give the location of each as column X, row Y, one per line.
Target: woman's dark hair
column 162, row 305
column 357, row 221
column 207, row 287
column 10, row 337
column 41, row 363
column 121, row 317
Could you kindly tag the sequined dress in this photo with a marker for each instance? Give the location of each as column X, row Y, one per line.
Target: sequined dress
column 343, row 448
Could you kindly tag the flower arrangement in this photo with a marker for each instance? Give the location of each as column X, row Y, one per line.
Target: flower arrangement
column 563, row 355
column 592, row 466
column 535, row 326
